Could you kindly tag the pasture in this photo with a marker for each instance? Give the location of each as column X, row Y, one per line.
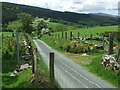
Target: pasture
column 93, row 31
column 87, row 32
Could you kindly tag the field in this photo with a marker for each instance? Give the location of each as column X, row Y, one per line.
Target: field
column 87, row 32
column 93, row 31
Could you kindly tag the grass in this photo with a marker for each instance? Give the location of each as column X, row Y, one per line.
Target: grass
column 21, row 80
column 93, row 31
column 92, row 62
column 56, row 43
column 96, row 68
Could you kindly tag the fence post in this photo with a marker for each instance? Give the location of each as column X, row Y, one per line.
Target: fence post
column 12, row 34
column 51, row 68
column 70, row 35
column 35, row 65
column 91, row 38
column 110, row 43
column 118, row 59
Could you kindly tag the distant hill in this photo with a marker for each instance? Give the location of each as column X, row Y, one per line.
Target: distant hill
column 11, row 10
column 104, row 14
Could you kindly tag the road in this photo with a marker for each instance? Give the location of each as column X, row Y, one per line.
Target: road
column 68, row 73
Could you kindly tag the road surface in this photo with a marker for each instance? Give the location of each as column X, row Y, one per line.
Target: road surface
column 68, row 73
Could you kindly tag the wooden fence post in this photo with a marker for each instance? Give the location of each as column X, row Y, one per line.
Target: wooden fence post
column 91, row 38
column 13, row 35
column 70, row 35
column 52, row 69
column 110, row 43
column 35, row 65
column 118, row 55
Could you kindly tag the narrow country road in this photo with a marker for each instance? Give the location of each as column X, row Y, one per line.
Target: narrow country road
column 68, row 73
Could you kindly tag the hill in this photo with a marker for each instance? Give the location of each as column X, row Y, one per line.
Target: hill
column 104, row 14
column 11, row 10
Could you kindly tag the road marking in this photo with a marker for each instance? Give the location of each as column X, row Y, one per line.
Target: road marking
column 74, row 77
column 82, row 76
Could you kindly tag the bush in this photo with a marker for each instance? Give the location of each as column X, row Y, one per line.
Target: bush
column 8, row 48
column 79, row 47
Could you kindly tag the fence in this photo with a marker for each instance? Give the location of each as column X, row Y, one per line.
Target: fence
column 33, row 53
column 33, row 57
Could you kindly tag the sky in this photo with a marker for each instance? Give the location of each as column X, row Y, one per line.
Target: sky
column 78, row 6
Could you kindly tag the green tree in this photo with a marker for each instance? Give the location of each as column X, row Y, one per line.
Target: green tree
column 60, row 27
column 26, row 20
column 40, row 25
column 14, row 25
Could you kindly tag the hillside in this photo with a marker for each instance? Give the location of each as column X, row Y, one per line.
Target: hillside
column 11, row 10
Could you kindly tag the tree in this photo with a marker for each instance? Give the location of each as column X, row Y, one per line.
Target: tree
column 26, row 20
column 61, row 27
column 40, row 25
column 14, row 25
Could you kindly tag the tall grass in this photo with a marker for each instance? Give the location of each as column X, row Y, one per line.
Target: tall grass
column 96, row 68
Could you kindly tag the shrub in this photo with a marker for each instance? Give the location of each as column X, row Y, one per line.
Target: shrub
column 79, row 47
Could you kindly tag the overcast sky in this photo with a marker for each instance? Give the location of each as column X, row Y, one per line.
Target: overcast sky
column 79, row 6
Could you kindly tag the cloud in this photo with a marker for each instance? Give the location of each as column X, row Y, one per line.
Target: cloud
column 79, row 6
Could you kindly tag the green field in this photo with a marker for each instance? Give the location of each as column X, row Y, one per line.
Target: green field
column 86, row 32
column 93, row 31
